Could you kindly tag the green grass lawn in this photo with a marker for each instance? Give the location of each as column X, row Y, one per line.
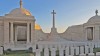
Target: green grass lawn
column 18, row 53
column 24, row 54
column 96, row 50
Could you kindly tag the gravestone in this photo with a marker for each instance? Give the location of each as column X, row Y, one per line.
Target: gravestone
column 76, row 50
column 46, row 51
column 86, row 49
column 91, row 49
column 72, row 50
column 34, row 48
column 38, row 52
column 53, row 51
column 61, row 52
column 81, row 50
column 67, row 51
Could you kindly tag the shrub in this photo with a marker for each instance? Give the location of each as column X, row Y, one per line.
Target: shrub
column 30, row 50
column 9, row 50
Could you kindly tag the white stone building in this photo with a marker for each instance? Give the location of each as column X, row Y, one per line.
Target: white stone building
column 18, row 31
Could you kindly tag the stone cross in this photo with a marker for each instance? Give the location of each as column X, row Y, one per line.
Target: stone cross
column 21, row 4
column 53, row 18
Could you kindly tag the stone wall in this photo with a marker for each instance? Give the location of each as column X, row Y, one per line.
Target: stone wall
column 74, row 33
column 40, row 35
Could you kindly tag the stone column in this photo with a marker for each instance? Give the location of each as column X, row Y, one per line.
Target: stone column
column 32, row 32
column 16, row 32
column 28, row 33
column 85, row 33
column 6, row 33
column 11, row 33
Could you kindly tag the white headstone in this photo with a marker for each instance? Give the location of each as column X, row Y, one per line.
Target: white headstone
column 53, row 51
column 34, row 48
column 72, row 50
column 86, row 49
column 81, row 50
column 38, row 52
column 77, row 50
column 67, row 51
column 91, row 49
column 61, row 52
column 46, row 51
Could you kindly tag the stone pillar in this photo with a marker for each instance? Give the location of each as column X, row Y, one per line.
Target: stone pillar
column 12, row 33
column 32, row 32
column 6, row 33
column 16, row 32
column 28, row 33
column 85, row 33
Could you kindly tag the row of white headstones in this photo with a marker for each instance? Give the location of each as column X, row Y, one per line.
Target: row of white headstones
column 67, row 50
column 71, row 49
column 82, row 50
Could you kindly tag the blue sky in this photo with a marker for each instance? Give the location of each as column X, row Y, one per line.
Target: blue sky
column 69, row 12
